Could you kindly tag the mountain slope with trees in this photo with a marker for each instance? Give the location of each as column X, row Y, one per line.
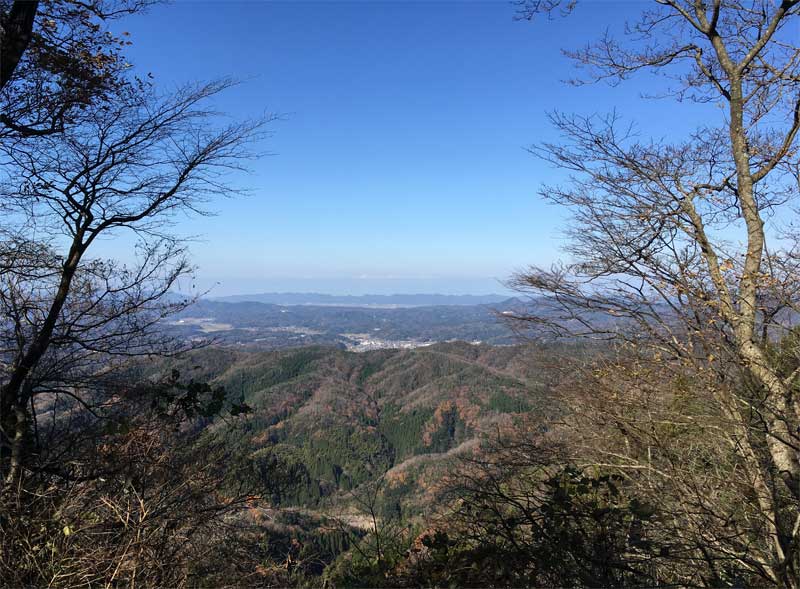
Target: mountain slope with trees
column 325, row 421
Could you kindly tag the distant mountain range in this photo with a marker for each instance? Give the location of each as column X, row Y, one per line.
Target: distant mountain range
column 395, row 300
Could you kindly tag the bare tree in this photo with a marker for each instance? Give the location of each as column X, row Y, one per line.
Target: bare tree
column 664, row 427
column 132, row 165
column 686, row 249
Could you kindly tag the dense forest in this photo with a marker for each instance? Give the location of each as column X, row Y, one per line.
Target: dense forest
column 339, row 420
column 631, row 419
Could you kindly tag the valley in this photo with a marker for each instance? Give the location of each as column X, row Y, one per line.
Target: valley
column 263, row 326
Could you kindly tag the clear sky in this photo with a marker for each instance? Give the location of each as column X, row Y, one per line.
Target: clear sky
column 399, row 164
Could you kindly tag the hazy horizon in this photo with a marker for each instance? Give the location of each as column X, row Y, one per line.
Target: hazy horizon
column 353, row 286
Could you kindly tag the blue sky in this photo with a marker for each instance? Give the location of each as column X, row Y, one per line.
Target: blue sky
column 399, row 162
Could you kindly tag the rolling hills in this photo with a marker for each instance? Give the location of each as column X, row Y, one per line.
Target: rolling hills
column 327, row 421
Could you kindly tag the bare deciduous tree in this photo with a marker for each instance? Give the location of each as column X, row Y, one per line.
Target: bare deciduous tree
column 685, row 248
column 131, row 166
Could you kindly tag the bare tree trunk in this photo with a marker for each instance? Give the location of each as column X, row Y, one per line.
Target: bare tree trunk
column 15, row 35
column 13, row 404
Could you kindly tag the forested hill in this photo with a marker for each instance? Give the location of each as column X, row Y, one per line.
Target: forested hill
column 325, row 421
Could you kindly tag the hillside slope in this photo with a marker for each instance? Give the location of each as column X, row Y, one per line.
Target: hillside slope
column 326, row 421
